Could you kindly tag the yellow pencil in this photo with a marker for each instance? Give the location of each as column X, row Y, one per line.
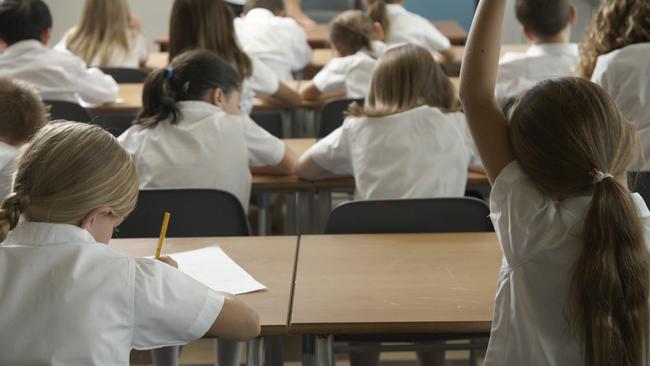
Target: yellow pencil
column 163, row 232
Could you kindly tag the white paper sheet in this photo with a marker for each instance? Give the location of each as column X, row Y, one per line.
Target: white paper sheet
column 215, row 269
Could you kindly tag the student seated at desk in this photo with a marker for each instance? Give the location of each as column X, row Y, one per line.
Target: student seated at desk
column 26, row 27
column 354, row 37
column 22, row 114
column 207, row 24
column 402, row 26
column 68, row 298
column 279, row 42
column 108, row 35
column 616, row 55
column 191, row 134
column 409, row 141
column 547, row 26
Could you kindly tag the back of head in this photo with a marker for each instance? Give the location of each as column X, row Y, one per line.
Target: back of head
column 67, row 171
column 21, row 111
column 377, row 12
column 406, row 77
column 567, row 133
column 543, row 18
column 616, row 24
column 206, row 24
column 22, row 20
column 274, row 6
column 190, row 76
column 351, row 31
column 103, row 29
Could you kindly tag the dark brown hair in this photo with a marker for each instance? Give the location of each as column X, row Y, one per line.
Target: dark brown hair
column 206, row 24
column 21, row 111
column 351, row 31
column 560, row 131
column 543, row 18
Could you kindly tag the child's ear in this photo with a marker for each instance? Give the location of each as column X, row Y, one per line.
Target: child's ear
column 378, row 32
column 217, row 97
column 574, row 16
column 530, row 36
column 90, row 218
column 46, row 35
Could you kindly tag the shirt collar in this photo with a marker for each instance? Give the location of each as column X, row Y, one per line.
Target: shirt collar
column 395, row 8
column 43, row 233
column 259, row 13
column 541, row 49
column 196, row 110
column 21, row 47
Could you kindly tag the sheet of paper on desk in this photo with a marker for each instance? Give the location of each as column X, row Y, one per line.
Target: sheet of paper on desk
column 215, row 269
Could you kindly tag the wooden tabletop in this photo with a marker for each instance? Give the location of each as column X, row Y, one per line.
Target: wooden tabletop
column 453, row 30
column 397, row 283
column 269, row 259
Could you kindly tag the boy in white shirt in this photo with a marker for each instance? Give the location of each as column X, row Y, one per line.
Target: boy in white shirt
column 25, row 28
column 21, row 114
column 279, row 42
column 547, row 26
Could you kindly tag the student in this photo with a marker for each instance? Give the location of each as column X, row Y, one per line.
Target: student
column 107, row 36
column 547, row 26
column 353, row 36
column 279, row 42
column 407, row 142
column 74, row 184
column 402, row 26
column 26, row 27
column 207, row 24
column 616, row 55
column 22, row 114
column 191, row 134
column 573, row 287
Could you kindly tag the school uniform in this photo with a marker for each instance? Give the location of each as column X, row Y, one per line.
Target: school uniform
column 625, row 75
column 207, row 148
column 137, row 54
column 407, row 27
column 262, row 80
column 519, row 72
column 68, row 300
column 541, row 240
column 419, row 153
column 56, row 75
column 8, row 156
column 279, row 42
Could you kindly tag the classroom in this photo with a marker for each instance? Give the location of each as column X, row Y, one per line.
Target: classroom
column 325, row 183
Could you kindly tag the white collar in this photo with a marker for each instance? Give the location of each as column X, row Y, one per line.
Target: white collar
column 395, row 9
column 260, row 13
column 541, row 49
column 21, row 47
column 44, row 233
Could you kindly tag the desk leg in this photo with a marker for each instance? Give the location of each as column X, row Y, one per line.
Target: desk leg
column 323, row 210
column 325, row 350
column 311, row 119
column 273, row 350
column 291, row 217
column 166, row 356
column 255, row 352
column 287, row 126
column 308, row 350
column 263, row 214
column 305, row 214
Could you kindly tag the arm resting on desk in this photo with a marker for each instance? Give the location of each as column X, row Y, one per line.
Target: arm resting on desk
column 308, row 169
column 286, row 166
column 236, row 321
column 286, row 96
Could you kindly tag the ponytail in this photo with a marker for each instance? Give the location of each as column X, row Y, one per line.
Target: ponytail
column 10, row 211
column 610, row 282
column 377, row 12
column 158, row 102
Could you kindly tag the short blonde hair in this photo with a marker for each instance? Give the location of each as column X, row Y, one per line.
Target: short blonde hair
column 21, row 111
column 68, row 170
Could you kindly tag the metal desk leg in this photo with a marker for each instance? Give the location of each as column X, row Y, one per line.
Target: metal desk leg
column 325, row 351
column 323, row 210
column 263, row 214
column 287, row 126
column 308, row 350
column 166, row 356
column 305, row 214
column 273, row 350
column 255, row 352
column 291, row 218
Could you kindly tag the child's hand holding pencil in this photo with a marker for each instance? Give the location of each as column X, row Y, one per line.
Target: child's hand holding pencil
column 161, row 241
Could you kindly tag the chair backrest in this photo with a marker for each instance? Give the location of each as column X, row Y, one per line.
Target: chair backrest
column 270, row 121
column 640, row 182
column 67, row 110
column 334, row 5
column 428, row 215
column 115, row 122
column 194, row 212
column 126, row 75
column 332, row 115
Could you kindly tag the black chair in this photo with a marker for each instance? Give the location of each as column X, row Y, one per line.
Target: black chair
column 429, row 215
column 115, row 122
column 270, row 121
column 324, row 11
column 126, row 75
column 640, row 182
column 194, row 212
column 67, row 110
column 333, row 114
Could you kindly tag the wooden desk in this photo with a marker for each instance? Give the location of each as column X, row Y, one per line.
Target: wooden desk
column 453, row 30
column 270, row 259
column 404, row 283
column 129, row 99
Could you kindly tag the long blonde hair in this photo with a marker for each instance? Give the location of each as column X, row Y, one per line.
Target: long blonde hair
column 407, row 77
column 561, row 130
column 616, row 24
column 105, row 28
column 68, row 170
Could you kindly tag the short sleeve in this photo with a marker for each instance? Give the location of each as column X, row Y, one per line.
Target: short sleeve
column 264, row 149
column 332, row 77
column 141, row 48
column 170, row 308
column 436, row 40
column 263, row 80
column 333, row 153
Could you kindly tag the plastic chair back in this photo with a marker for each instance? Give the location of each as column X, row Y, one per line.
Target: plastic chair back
column 270, row 121
column 640, row 182
column 60, row 109
column 125, row 74
column 333, row 114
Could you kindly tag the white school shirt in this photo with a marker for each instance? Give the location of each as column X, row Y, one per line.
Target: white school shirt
column 68, row 300
column 407, row 27
column 207, row 148
column 262, row 81
column 8, row 156
column 57, row 75
column 138, row 51
column 541, row 240
column 625, row 75
column 519, row 72
column 420, row 153
column 352, row 73
column 279, row 42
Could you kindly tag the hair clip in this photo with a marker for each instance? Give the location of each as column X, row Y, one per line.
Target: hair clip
column 599, row 175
